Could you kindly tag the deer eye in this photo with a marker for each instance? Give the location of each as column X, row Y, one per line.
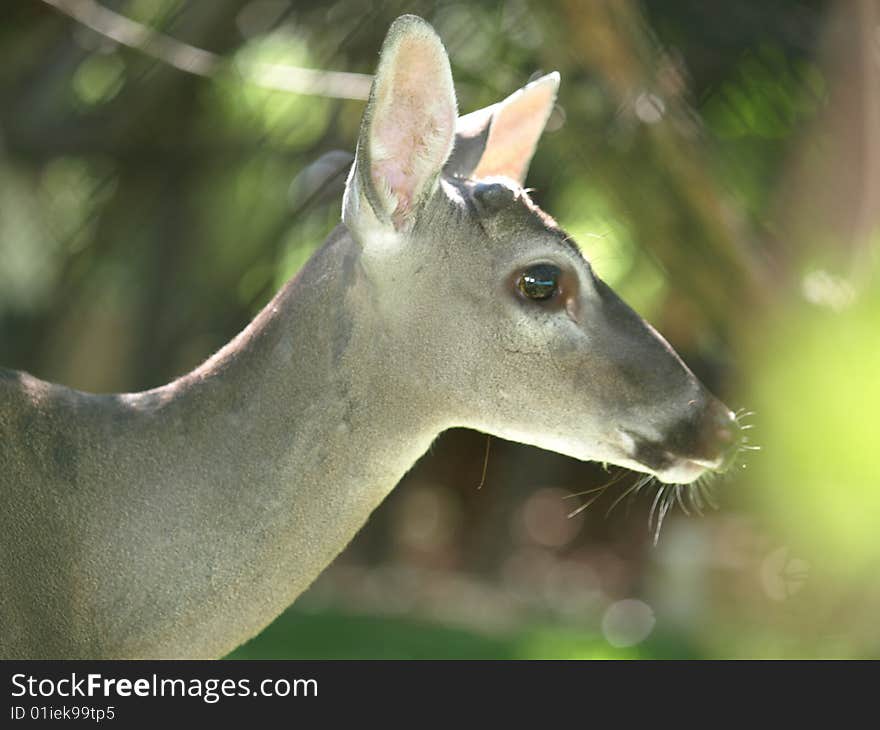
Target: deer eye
column 540, row 282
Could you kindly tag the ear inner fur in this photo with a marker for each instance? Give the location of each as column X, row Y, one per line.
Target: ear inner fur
column 409, row 124
column 517, row 124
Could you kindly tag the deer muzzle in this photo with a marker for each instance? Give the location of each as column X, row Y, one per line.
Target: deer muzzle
column 706, row 439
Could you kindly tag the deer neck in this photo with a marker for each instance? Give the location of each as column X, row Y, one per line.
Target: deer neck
column 282, row 445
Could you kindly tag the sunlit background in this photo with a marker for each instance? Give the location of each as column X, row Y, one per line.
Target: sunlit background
column 166, row 165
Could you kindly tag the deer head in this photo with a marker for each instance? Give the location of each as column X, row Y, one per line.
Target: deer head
column 499, row 318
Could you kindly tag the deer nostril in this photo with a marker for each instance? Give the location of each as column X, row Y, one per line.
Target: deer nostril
column 727, row 433
column 720, row 434
column 727, row 430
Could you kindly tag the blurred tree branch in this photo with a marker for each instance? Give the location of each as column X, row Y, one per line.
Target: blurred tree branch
column 705, row 248
column 197, row 61
column 828, row 206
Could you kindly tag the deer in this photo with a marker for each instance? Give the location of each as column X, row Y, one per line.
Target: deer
column 178, row 522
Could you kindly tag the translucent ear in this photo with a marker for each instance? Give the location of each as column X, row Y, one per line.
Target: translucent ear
column 408, row 127
column 501, row 139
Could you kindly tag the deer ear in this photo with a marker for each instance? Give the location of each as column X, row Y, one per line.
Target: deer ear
column 407, row 130
column 501, row 139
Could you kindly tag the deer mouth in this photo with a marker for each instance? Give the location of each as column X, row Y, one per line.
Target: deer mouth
column 671, row 468
column 678, row 460
column 684, row 470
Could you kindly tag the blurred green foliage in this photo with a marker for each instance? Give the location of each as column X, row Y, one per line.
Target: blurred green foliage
column 331, row 635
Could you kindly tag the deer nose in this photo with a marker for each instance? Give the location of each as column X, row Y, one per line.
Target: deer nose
column 722, row 419
column 722, row 433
